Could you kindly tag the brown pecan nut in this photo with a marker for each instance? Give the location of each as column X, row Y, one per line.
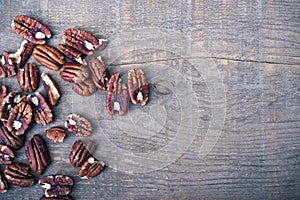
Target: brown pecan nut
column 80, row 153
column 80, row 40
column 84, row 88
column 21, row 56
column 18, row 174
column 56, row 198
column 6, row 155
column 37, row 154
column 3, row 183
column 91, row 168
column 138, row 86
column 42, row 113
column 3, row 93
column 56, row 134
column 74, row 72
column 28, row 78
column 56, row 185
column 117, row 95
column 48, row 56
column 30, row 29
column 100, row 73
column 78, row 125
column 19, row 118
column 10, row 138
column 9, row 102
column 72, row 53
column 7, row 67
column 51, row 88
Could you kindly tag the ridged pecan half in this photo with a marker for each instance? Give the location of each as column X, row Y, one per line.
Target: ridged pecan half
column 56, row 185
column 100, row 73
column 10, row 138
column 56, row 134
column 18, row 174
column 7, row 67
column 138, row 86
column 37, row 154
column 42, row 113
column 51, row 88
column 72, row 53
column 80, row 153
column 28, row 77
column 30, row 29
column 91, row 168
column 74, row 72
column 117, row 95
column 19, row 118
column 78, row 125
column 48, row 56
column 21, row 56
column 81, row 40
column 84, row 88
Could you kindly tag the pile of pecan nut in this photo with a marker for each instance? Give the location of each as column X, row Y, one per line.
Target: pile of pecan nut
column 18, row 109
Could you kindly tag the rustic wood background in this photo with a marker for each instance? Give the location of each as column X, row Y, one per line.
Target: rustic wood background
column 254, row 46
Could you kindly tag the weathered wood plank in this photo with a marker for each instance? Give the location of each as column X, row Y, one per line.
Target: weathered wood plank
column 254, row 47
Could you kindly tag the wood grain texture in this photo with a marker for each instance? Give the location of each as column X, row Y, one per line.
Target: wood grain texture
column 255, row 47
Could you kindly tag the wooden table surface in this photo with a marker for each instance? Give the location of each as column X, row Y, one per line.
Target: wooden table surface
column 223, row 118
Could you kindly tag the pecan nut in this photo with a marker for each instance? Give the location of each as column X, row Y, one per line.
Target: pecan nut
column 42, row 113
column 30, row 29
column 28, row 78
column 56, row 134
column 10, row 138
column 91, row 168
column 21, row 56
column 3, row 183
column 56, row 185
column 37, row 154
column 48, row 56
column 100, row 74
column 7, row 67
column 84, row 88
column 51, row 88
column 72, row 53
column 78, row 125
column 6, row 155
column 74, row 72
column 9, row 102
column 80, row 40
column 117, row 95
column 80, row 153
column 138, row 86
column 20, row 118
column 3, row 92
column 18, row 174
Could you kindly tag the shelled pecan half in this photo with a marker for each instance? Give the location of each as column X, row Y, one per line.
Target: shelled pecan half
column 48, row 56
column 30, row 29
column 100, row 74
column 138, row 86
column 28, row 77
column 18, row 174
column 51, row 88
column 117, row 95
column 42, row 113
column 81, row 40
column 37, row 154
column 21, row 56
column 7, row 67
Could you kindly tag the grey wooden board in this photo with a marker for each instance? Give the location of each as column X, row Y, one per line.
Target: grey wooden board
column 246, row 50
